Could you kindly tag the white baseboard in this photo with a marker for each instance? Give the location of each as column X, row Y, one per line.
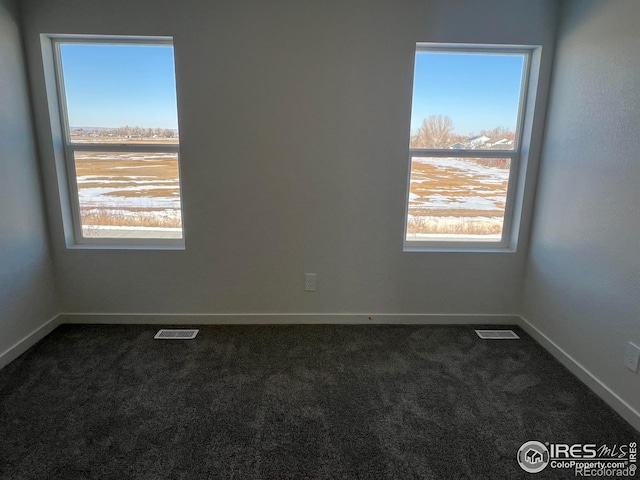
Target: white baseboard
column 289, row 318
column 616, row 402
column 10, row 354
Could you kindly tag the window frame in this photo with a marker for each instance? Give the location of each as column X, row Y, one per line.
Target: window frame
column 69, row 148
column 513, row 201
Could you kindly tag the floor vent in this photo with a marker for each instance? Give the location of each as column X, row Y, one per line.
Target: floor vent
column 174, row 334
column 497, row 334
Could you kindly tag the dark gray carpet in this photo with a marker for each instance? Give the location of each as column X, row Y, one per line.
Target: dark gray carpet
column 299, row 402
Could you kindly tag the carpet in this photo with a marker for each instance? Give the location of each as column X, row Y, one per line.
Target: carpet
column 289, row 402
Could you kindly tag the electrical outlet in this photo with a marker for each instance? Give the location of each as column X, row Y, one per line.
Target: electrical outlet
column 631, row 356
column 310, row 282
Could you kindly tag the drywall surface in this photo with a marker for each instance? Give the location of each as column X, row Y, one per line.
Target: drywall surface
column 27, row 298
column 294, row 128
column 582, row 285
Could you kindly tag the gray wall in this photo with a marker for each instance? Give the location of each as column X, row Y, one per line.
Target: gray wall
column 294, row 120
column 582, row 284
column 27, row 298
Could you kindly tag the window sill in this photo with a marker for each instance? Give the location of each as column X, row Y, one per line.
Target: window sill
column 96, row 246
column 458, row 249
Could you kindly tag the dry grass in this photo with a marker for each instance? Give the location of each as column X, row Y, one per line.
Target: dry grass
column 156, row 167
column 460, row 226
column 95, row 217
column 151, row 192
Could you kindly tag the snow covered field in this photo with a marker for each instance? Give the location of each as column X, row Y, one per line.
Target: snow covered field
column 140, row 194
column 457, row 197
column 139, row 191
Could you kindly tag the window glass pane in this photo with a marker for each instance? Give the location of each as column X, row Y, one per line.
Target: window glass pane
column 120, row 93
column 466, row 100
column 457, row 199
column 129, row 195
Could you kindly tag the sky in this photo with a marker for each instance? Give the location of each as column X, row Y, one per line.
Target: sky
column 477, row 91
column 116, row 85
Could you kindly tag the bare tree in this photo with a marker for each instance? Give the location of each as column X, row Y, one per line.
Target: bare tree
column 434, row 132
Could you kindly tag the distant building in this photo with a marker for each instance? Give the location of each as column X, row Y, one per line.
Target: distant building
column 503, row 144
column 475, row 142
column 471, row 143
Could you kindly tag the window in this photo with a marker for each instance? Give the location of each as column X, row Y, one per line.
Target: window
column 465, row 147
column 117, row 100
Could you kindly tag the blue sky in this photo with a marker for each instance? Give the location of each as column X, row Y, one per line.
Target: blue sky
column 116, row 85
column 477, row 91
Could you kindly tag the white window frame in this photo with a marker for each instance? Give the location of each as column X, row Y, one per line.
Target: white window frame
column 72, row 201
column 513, row 205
